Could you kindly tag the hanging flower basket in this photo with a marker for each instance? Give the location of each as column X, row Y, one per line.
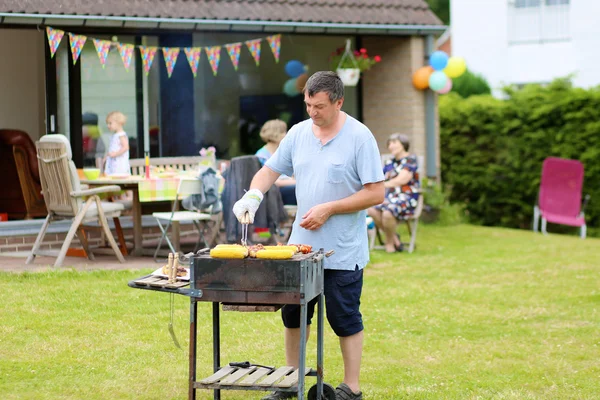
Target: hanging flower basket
column 349, row 65
column 349, row 76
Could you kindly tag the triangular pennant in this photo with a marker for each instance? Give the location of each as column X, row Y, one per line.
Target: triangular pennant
column 275, row 44
column 148, row 54
column 170, row 54
column 126, row 53
column 214, row 55
column 233, row 50
column 102, row 48
column 193, row 56
column 54, row 38
column 76, row 42
column 254, row 47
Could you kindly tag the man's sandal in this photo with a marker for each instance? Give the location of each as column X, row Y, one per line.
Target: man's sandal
column 343, row 392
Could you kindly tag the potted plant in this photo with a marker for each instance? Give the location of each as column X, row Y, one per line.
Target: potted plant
column 350, row 64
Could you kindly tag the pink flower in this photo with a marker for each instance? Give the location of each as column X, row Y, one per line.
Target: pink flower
column 377, row 58
column 365, row 56
column 363, row 51
column 356, row 53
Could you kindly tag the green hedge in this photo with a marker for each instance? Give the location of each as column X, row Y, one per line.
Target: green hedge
column 492, row 150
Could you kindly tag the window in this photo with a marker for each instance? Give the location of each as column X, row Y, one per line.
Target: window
column 538, row 21
column 527, row 3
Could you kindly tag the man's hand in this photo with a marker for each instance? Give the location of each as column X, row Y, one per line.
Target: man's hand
column 316, row 217
column 248, row 204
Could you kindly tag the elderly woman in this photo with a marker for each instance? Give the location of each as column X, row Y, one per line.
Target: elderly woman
column 402, row 191
column 272, row 133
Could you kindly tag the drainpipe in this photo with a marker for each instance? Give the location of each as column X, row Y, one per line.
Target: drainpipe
column 430, row 120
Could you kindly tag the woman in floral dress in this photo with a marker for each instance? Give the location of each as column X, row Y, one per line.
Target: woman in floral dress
column 402, row 191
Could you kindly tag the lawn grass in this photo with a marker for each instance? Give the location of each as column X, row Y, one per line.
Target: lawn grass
column 474, row 313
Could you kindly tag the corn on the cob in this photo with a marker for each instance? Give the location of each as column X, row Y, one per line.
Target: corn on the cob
column 229, row 246
column 275, row 254
column 229, row 252
column 293, row 248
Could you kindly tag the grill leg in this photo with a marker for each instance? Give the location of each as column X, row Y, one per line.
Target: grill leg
column 216, row 345
column 302, row 360
column 320, row 347
column 193, row 337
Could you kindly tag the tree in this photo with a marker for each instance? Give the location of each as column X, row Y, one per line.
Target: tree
column 441, row 8
column 469, row 84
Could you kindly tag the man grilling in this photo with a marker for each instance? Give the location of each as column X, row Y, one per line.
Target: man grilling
column 337, row 167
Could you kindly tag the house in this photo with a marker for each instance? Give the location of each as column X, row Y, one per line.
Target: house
column 528, row 41
column 178, row 113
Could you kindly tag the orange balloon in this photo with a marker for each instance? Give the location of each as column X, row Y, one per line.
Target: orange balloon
column 421, row 77
column 301, row 81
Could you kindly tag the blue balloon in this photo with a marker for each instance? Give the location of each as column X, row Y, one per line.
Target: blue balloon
column 437, row 80
column 438, row 60
column 290, row 89
column 294, row 68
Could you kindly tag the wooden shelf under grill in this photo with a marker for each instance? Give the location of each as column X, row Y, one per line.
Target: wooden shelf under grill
column 253, row 378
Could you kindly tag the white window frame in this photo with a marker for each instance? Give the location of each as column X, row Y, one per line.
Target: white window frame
column 538, row 21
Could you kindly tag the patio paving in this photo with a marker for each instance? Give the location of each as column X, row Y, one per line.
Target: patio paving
column 15, row 262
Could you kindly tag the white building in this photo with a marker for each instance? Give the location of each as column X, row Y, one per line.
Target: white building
column 528, row 41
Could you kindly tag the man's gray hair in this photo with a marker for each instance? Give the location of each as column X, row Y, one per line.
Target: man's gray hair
column 402, row 138
column 325, row 81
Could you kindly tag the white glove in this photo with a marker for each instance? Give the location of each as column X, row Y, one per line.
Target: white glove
column 249, row 203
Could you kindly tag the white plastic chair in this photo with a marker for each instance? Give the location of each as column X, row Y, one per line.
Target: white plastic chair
column 187, row 187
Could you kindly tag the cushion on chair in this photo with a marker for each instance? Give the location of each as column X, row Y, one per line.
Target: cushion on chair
column 563, row 219
column 109, row 208
column 58, row 138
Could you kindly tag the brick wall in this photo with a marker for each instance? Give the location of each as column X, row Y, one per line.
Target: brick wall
column 390, row 102
column 54, row 241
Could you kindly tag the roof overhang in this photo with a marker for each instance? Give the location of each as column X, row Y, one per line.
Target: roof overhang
column 102, row 21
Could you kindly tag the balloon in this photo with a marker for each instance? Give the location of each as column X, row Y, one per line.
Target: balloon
column 421, row 77
column 447, row 88
column 438, row 60
column 301, row 81
column 289, row 88
column 294, row 68
column 437, row 81
column 456, row 67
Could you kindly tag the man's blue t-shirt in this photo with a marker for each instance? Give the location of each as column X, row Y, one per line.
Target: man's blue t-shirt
column 327, row 173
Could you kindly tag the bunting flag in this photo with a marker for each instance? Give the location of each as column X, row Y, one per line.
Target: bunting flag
column 275, row 44
column 54, row 38
column 170, row 55
column 102, row 48
column 148, row 53
column 193, row 56
column 214, row 55
column 76, row 43
column 254, row 47
column 126, row 53
column 233, row 50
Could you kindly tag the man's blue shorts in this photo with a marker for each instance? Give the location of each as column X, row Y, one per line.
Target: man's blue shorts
column 342, row 291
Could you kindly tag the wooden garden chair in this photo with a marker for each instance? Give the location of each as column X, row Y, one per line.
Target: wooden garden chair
column 64, row 199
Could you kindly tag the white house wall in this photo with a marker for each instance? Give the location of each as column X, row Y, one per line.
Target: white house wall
column 482, row 33
column 22, row 101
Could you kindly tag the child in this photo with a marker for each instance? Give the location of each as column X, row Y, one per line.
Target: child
column 117, row 157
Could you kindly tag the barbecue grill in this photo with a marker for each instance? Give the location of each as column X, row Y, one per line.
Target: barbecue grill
column 252, row 285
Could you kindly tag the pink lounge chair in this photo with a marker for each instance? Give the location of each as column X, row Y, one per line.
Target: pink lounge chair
column 559, row 197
